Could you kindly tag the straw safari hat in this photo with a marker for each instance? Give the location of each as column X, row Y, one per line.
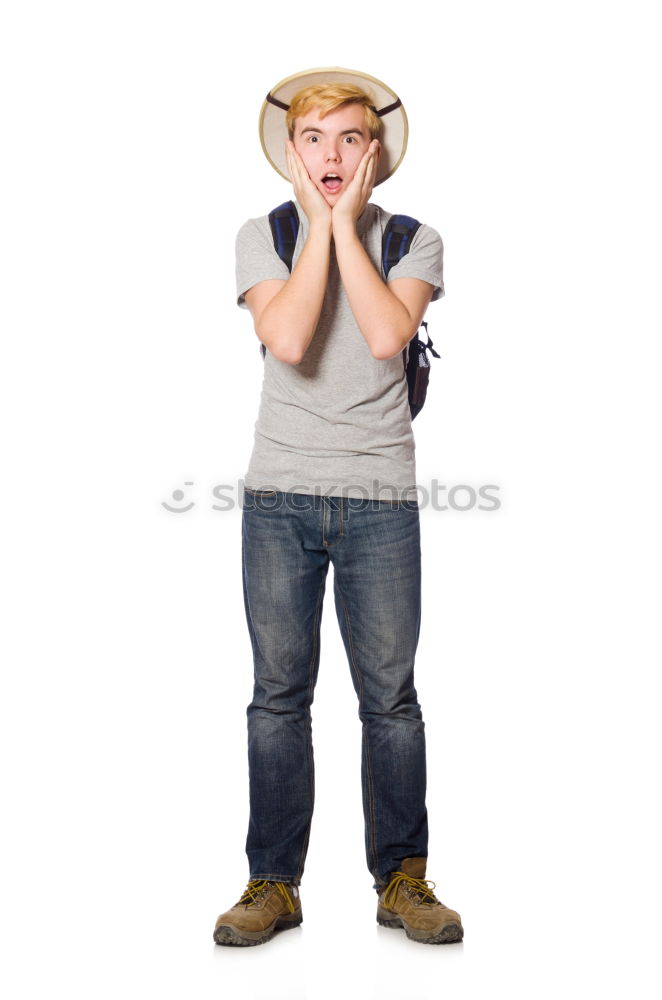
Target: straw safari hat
column 387, row 104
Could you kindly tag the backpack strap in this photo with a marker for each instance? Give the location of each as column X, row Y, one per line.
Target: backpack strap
column 429, row 346
column 400, row 231
column 396, row 241
column 284, row 222
column 398, row 235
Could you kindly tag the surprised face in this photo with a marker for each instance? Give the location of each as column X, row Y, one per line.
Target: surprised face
column 332, row 147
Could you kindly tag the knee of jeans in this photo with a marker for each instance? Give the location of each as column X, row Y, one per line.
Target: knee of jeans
column 284, row 684
column 275, row 713
column 407, row 711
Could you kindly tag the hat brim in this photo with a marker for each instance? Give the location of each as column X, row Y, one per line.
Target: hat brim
column 395, row 128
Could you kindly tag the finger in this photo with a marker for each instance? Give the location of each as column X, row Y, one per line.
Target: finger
column 302, row 170
column 299, row 162
column 295, row 172
column 369, row 174
column 373, row 171
column 291, row 154
column 375, row 165
column 370, row 167
column 365, row 162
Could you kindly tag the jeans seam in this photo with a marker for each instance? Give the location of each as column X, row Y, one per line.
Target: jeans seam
column 370, row 783
column 311, row 688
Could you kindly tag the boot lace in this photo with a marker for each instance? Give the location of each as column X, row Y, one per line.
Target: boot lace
column 256, row 888
column 419, row 888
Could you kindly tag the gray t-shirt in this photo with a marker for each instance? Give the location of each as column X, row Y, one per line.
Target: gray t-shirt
column 338, row 423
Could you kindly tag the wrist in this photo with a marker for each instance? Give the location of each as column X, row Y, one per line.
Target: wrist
column 344, row 229
column 320, row 226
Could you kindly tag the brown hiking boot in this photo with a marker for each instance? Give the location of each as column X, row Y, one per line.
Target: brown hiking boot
column 263, row 908
column 409, row 902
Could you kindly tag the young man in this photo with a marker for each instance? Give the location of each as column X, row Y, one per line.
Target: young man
column 332, row 479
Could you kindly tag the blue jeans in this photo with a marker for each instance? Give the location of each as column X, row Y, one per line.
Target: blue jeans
column 374, row 545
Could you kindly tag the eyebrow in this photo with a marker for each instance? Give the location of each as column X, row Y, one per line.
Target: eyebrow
column 347, row 131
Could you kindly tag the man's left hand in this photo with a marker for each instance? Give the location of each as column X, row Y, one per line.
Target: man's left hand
column 356, row 195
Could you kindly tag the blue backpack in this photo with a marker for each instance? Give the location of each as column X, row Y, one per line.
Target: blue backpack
column 399, row 232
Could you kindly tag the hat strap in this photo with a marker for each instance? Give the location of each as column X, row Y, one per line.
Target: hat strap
column 384, row 111
column 278, row 104
column 390, row 107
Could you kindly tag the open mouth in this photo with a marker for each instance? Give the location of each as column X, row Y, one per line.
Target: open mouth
column 331, row 181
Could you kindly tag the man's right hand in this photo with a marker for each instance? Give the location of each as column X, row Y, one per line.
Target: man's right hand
column 313, row 203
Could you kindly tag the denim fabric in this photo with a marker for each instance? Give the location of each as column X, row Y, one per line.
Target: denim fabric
column 288, row 540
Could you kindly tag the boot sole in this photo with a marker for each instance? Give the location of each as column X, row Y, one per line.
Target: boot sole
column 449, row 934
column 229, row 935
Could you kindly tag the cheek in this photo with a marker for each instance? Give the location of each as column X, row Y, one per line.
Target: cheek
column 306, row 155
column 357, row 156
column 354, row 165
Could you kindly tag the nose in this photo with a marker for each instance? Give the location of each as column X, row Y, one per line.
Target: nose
column 331, row 153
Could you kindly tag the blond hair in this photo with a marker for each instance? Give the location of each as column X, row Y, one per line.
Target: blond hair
column 327, row 97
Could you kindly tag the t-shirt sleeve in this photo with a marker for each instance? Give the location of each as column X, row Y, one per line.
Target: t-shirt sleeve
column 425, row 260
column 255, row 257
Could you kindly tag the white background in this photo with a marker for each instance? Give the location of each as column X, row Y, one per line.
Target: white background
column 131, row 157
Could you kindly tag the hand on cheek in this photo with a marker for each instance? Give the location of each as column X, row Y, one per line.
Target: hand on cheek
column 310, row 199
column 355, row 197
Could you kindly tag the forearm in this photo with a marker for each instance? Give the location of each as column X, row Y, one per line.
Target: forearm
column 381, row 317
column 288, row 323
